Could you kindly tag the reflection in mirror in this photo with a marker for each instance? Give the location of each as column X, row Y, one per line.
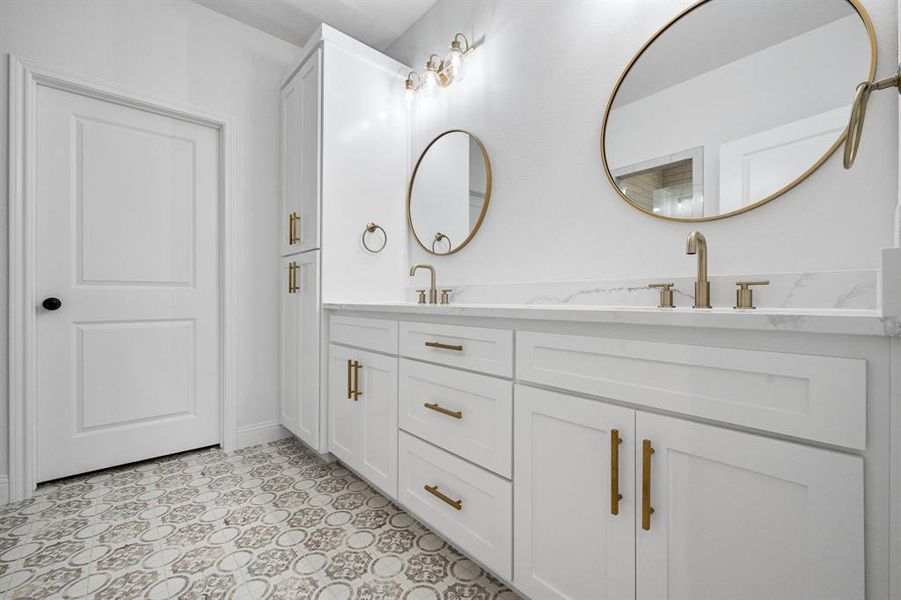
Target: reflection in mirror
column 733, row 103
column 449, row 192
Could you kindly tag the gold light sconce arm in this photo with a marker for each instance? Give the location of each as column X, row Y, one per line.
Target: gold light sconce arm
column 859, row 112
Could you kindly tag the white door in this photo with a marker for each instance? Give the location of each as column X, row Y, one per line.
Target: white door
column 127, row 207
column 573, row 540
column 300, row 158
column 740, row 516
column 342, row 413
column 300, row 346
column 377, row 425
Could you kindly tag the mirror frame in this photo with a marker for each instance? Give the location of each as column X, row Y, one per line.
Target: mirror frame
column 871, row 33
column 478, row 224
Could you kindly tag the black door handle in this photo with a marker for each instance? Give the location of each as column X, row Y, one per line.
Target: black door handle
column 51, row 303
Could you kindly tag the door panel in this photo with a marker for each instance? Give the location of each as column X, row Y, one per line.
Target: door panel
column 301, row 143
column 568, row 544
column 342, row 412
column 377, row 431
column 300, row 347
column 739, row 516
column 127, row 207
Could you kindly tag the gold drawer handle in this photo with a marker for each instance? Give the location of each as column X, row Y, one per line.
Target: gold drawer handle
column 350, row 366
column 293, row 286
column 454, row 347
column 293, row 220
column 356, row 391
column 433, row 490
column 457, row 414
column 615, row 496
column 646, row 509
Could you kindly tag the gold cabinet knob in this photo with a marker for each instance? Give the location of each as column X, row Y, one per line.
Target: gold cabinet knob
column 445, row 297
column 666, row 294
column 420, row 296
column 744, row 295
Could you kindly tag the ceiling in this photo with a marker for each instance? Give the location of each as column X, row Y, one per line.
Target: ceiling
column 375, row 22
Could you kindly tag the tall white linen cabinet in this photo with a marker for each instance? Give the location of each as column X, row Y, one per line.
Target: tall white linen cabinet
column 344, row 157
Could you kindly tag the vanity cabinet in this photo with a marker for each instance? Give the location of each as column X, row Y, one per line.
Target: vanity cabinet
column 363, row 414
column 300, row 317
column 545, row 458
column 706, row 512
column 300, row 157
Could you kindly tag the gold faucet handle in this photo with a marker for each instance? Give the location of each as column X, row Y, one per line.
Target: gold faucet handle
column 445, row 295
column 666, row 294
column 744, row 295
column 421, row 296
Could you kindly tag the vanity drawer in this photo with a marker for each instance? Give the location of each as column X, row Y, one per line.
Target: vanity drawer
column 485, row 350
column 470, row 507
column 373, row 334
column 820, row 398
column 468, row 414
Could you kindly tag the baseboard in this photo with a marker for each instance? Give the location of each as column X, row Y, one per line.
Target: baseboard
column 4, row 489
column 251, row 435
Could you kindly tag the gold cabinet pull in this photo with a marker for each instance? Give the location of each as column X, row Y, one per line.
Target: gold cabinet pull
column 454, row 347
column 615, row 496
column 646, row 509
column 356, row 392
column 293, row 267
column 293, row 220
column 349, row 368
column 433, row 490
column 456, row 414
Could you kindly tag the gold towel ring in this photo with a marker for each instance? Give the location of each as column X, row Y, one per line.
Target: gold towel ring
column 859, row 112
column 438, row 237
column 370, row 228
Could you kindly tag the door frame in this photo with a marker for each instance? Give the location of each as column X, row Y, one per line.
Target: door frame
column 24, row 78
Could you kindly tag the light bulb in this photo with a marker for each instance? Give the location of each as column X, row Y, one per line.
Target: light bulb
column 409, row 96
column 430, row 82
column 453, row 63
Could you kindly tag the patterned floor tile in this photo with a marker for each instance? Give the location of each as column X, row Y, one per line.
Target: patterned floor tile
column 271, row 521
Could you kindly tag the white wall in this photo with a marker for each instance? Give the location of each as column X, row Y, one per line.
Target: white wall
column 183, row 53
column 535, row 94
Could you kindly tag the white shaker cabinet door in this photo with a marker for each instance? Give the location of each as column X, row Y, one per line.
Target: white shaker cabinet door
column 300, row 346
column 301, row 157
column 377, row 425
column 342, row 413
column 740, row 516
column 363, row 414
column 572, row 539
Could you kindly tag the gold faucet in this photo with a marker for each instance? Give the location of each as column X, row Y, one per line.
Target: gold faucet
column 433, row 289
column 697, row 244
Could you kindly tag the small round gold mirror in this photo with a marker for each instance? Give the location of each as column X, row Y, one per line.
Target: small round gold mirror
column 449, row 192
column 733, row 103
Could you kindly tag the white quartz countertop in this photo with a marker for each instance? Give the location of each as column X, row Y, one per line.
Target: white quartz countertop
column 833, row 321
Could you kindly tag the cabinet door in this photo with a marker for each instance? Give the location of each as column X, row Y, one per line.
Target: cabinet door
column 300, row 346
column 377, row 426
column 740, row 516
column 571, row 541
column 342, row 413
column 300, row 158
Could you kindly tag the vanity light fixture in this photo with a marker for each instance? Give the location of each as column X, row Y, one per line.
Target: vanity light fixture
column 439, row 73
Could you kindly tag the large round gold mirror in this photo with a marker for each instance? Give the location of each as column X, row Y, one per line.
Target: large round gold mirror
column 449, row 192
column 733, row 103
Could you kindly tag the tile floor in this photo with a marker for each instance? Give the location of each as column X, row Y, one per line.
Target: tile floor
column 271, row 521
